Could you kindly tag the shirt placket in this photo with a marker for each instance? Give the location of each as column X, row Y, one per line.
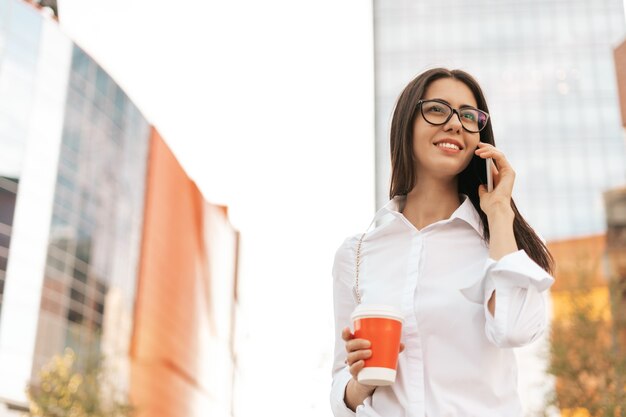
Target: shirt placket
column 415, row 358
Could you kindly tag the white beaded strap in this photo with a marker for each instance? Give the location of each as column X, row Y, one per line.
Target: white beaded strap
column 357, row 294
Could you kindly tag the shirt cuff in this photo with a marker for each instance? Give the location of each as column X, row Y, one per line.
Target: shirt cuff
column 515, row 269
column 366, row 410
column 338, row 392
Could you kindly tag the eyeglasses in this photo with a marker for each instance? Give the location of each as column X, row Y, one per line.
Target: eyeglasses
column 438, row 112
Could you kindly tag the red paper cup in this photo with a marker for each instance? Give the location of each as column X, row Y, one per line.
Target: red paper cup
column 382, row 326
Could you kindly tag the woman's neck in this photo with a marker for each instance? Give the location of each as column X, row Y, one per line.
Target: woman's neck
column 431, row 200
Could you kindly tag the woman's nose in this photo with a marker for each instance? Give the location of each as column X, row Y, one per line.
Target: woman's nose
column 454, row 123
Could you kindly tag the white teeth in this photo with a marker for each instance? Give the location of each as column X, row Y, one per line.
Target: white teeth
column 448, row 145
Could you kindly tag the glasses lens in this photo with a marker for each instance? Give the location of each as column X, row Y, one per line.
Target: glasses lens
column 473, row 120
column 435, row 112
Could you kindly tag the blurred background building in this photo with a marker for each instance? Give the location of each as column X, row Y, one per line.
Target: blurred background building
column 547, row 71
column 615, row 203
column 106, row 246
column 8, row 190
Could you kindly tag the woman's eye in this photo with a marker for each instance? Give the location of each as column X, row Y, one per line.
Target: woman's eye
column 469, row 116
column 436, row 109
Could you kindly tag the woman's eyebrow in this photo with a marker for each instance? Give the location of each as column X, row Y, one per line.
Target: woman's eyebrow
column 448, row 103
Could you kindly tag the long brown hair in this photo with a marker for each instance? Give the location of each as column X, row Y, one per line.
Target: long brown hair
column 403, row 166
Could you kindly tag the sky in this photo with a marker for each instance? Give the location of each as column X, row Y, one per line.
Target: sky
column 269, row 107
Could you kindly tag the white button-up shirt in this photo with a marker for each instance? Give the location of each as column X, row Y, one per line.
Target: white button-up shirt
column 458, row 359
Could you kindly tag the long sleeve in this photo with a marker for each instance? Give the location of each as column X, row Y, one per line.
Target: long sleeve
column 344, row 304
column 520, row 312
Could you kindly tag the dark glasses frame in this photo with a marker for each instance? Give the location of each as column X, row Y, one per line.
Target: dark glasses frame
column 452, row 111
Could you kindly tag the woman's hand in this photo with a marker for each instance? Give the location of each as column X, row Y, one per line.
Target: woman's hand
column 358, row 351
column 503, row 178
column 497, row 206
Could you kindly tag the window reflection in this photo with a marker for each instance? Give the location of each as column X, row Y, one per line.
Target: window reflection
column 8, row 193
column 98, row 206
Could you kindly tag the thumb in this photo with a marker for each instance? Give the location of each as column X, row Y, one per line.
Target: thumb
column 346, row 334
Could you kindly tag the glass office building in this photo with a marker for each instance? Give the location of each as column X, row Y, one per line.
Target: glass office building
column 18, row 61
column 547, row 70
column 107, row 247
column 97, row 212
column 73, row 158
column 8, row 191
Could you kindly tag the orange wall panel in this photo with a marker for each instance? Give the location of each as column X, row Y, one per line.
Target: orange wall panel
column 173, row 332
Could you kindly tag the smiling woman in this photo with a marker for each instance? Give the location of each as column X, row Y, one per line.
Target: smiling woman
column 451, row 249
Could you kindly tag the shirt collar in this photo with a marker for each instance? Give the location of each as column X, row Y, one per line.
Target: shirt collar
column 466, row 212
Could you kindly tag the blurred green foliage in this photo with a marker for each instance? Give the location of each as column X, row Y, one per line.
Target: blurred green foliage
column 588, row 352
column 67, row 388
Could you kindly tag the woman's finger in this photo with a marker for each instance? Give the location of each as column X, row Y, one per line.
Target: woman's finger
column 503, row 169
column 495, row 173
column 494, row 168
column 357, row 344
column 356, row 367
column 345, row 334
column 358, row 355
column 490, row 151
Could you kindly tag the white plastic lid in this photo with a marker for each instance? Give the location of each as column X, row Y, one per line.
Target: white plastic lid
column 377, row 310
